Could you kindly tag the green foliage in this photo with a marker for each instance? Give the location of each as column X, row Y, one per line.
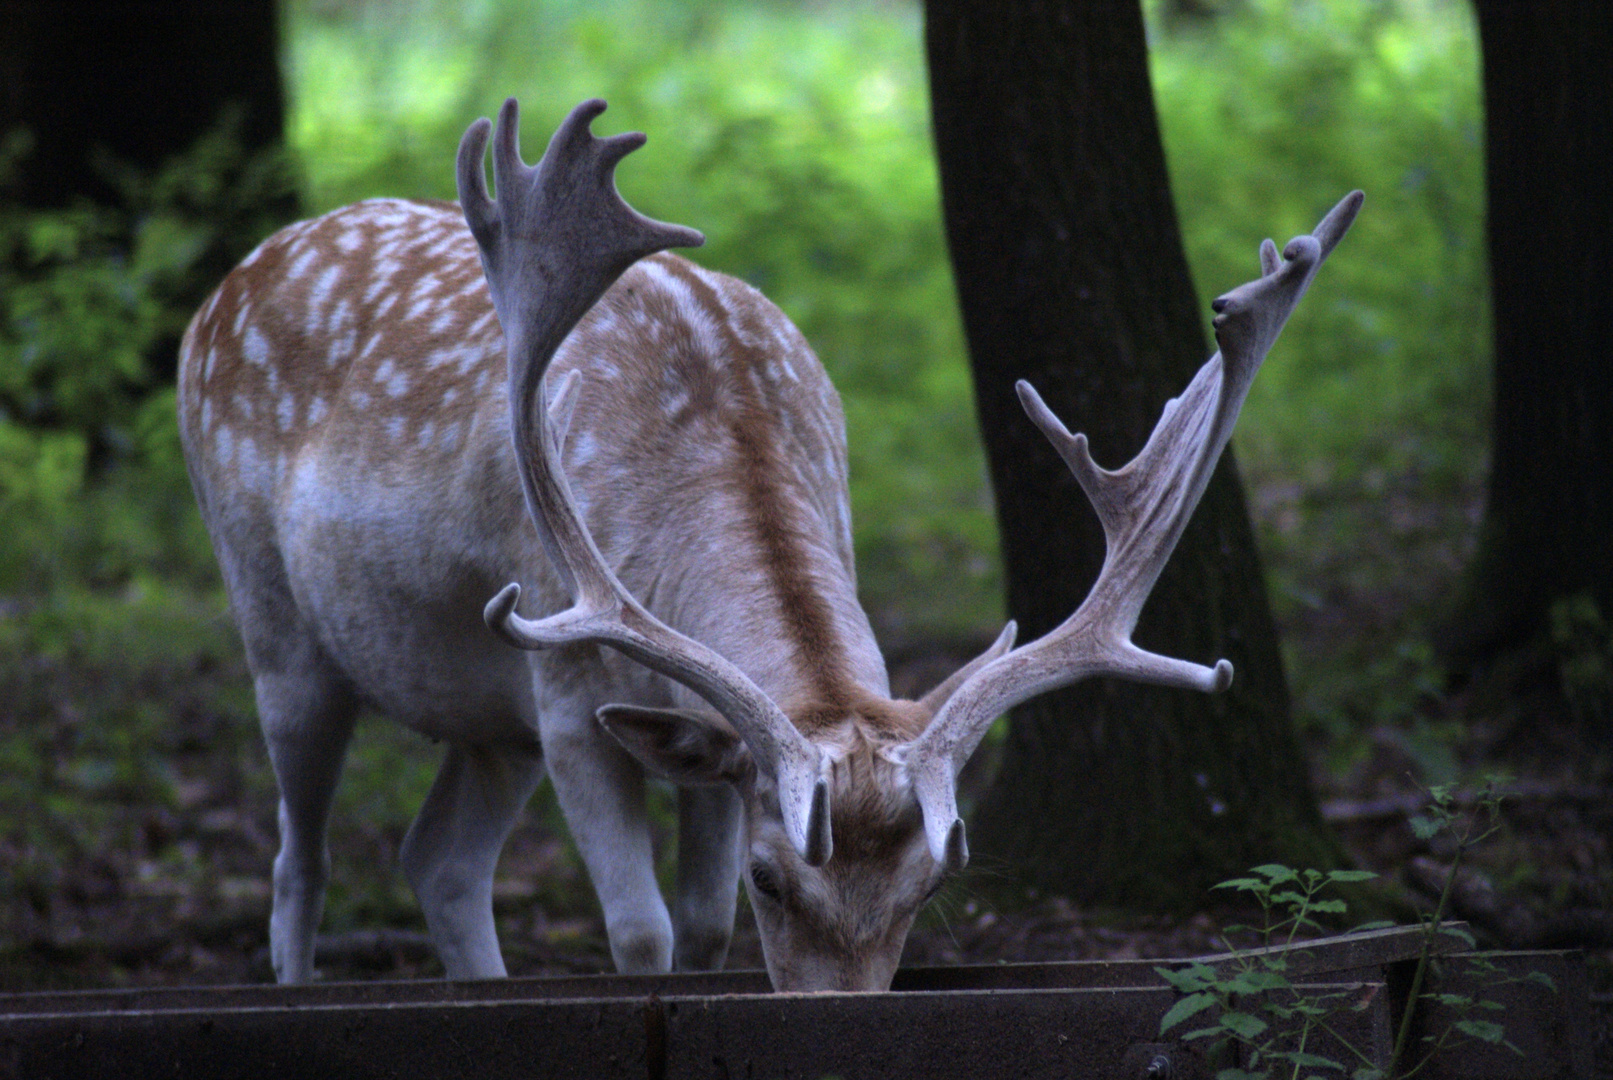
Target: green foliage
column 1261, row 1022
column 92, row 481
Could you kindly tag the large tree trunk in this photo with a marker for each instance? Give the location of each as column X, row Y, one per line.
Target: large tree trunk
column 1548, row 104
column 1071, row 274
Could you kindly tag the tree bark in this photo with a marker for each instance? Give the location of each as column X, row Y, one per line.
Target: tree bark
column 1071, row 274
column 1548, row 105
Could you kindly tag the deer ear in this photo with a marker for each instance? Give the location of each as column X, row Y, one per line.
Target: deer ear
column 687, row 746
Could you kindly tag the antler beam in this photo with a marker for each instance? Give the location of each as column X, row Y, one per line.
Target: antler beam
column 1144, row 507
column 555, row 239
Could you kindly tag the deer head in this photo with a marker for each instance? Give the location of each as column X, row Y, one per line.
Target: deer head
column 850, row 816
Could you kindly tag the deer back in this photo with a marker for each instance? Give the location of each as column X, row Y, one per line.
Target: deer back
column 345, row 412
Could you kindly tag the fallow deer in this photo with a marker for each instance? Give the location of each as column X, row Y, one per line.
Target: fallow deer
column 384, row 430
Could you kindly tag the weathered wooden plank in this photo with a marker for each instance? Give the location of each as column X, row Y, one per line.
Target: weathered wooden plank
column 1021, row 1022
column 1360, row 954
column 1069, row 1034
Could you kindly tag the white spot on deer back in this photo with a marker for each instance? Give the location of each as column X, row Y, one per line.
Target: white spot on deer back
column 445, row 319
column 319, row 298
column 393, row 378
column 286, row 412
column 302, row 264
column 248, row 461
column 419, row 308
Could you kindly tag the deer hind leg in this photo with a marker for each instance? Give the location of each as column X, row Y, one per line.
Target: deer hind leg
column 708, row 876
column 307, row 719
column 453, row 846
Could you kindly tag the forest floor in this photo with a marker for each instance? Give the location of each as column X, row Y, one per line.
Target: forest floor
column 176, row 891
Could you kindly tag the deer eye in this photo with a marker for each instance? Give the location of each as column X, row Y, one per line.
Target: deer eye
column 764, row 881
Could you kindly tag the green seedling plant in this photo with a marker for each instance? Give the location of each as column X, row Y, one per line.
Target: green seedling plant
column 1256, row 1007
column 1444, row 816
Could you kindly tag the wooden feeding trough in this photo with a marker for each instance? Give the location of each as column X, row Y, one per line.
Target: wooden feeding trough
column 1072, row 1020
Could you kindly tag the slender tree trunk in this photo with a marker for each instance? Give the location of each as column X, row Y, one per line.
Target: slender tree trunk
column 1071, row 274
column 1548, row 104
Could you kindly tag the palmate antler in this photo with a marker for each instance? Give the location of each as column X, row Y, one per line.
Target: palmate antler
column 552, row 243
column 1144, row 507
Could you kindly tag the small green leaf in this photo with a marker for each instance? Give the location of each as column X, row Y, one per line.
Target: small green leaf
column 1350, row 875
column 1243, row 883
column 1486, row 1030
column 1542, row 978
column 1460, row 932
column 1329, row 907
column 1254, row 982
column 1277, row 872
column 1186, row 1007
column 1375, row 924
column 1422, row 827
column 1204, row 1033
column 1245, row 1025
column 1189, row 979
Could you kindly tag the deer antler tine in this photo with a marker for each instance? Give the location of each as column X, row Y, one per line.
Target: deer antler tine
column 1072, row 448
column 471, row 171
column 561, row 403
column 507, row 164
column 616, row 147
column 1331, row 229
column 1269, row 259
